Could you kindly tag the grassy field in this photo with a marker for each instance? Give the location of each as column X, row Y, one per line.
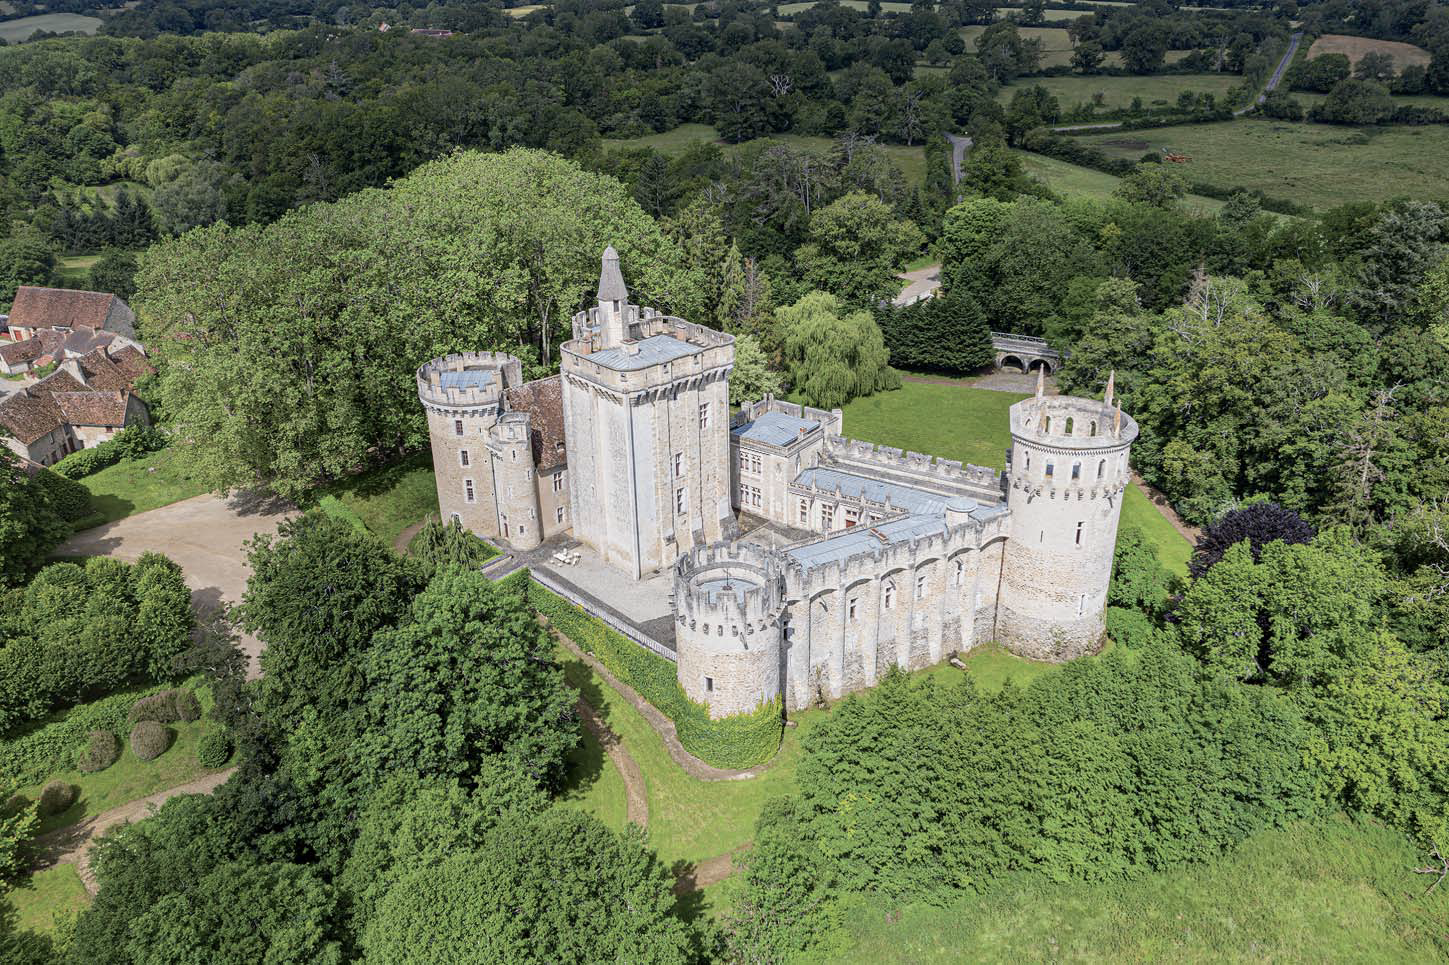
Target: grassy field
column 43, row 898
column 594, row 784
column 1117, row 92
column 72, row 270
column 1325, row 891
column 971, row 425
column 131, row 487
column 390, row 499
column 911, row 160
column 1315, row 164
column 18, row 31
column 1073, row 180
column 1356, row 47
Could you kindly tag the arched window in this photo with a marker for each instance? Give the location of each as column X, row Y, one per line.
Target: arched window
column 1076, row 470
column 1046, row 425
column 960, row 573
column 1101, row 468
column 1093, row 428
column 1070, row 423
column 1049, row 469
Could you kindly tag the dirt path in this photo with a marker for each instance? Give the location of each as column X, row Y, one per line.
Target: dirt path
column 692, row 765
column 708, row 872
column 400, row 545
column 72, row 844
column 1159, row 501
column 635, row 788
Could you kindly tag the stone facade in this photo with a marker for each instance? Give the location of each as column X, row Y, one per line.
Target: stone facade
column 891, row 558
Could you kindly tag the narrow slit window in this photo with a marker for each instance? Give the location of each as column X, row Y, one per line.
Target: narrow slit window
column 1076, row 470
column 1101, row 468
column 1079, row 533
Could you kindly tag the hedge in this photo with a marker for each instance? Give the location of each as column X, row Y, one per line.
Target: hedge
column 150, row 739
column 132, row 443
column 734, row 742
column 55, row 797
column 214, row 749
column 31, row 756
column 101, row 751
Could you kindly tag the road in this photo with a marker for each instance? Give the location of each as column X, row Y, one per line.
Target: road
column 1278, row 72
column 204, row 535
column 959, row 146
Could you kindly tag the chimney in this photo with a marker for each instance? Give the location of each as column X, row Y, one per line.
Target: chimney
column 613, row 301
column 1111, row 387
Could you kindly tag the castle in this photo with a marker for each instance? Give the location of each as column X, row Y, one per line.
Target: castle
column 859, row 557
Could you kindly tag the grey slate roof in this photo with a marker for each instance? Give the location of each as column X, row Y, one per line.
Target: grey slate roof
column 904, row 498
column 775, row 428
column 862, row 538
column 466, row 379
column 611, row 280
column 654, row 350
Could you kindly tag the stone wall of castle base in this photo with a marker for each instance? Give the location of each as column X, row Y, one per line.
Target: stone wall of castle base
column 1054, row 640
column 728, row 683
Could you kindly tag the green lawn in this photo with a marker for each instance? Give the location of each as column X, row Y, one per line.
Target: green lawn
column 390, row 499
column 18, row 31
column 1318, row 165
column 971, row 425
column 1156, row 90
column 130, row 778
column 1324, row 891
column 46, row 896
column 1071, row 180
column 73, row 270
column 595, row 785
column 131, row 486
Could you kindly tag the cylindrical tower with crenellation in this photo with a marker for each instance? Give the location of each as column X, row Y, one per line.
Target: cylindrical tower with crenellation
column 1067, row 476
column 727, row 601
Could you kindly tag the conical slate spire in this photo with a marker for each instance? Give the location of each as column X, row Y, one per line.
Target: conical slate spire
column 1111, row 387
column 611, row 282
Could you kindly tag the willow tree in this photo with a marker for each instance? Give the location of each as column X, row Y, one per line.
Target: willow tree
column 833, row 356
column 287, row 351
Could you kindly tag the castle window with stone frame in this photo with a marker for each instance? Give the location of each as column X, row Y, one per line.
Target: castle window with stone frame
column 709, row 685
column 1076, row 470
column 558, row 481
column 888, row 596
column 1101, row 468
column 463, row 458
column 1050, row 469
column 704, row 415
column 958, row 574
column 558, row 514
column 681, row 501
column 468, row 494
column 1070, row 423
column 852, row 610
column 1092, row 428
column 920, row 586
column 457, row 427
column 1080, row 524
column 678, row 464
column 827, row 517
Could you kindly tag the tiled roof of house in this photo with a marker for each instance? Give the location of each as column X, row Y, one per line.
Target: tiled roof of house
column 131, row 362
column 102, row 373
column 44, row 343
column 48, row 307
column 32, row 412
column 85, row 340
column 543, row 401
column 93, row 408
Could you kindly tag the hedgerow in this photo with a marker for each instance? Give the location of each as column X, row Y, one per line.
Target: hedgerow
column 132, row 443
column 734, row 742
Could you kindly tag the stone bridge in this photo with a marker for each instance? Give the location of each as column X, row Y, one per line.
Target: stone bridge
column 1025, row 352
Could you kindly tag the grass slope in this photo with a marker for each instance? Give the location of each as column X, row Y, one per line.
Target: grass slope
column 18, row 31
column 134, row 486
column 1331, row 890
column 959, row 422
column 1155, row 90
column 390, row 499
column 1071, row 180
column 1318, row 165
column 44, row 898
column 595, row 785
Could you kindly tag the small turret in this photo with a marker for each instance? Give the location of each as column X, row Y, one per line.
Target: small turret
column 613, row 297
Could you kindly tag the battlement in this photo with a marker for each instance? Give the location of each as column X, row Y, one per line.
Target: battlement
column 512, row 427
column 831, row 421
column 1069, row 422
column 927, row 471
column 468, row 379
column 727, row 590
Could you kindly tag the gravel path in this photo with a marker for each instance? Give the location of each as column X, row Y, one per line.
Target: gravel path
column 72, row 843
column 1190, row 533
column 635, row 788
column 405, row 538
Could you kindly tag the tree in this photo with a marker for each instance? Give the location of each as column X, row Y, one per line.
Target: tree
column 24, row 260
column 470, row 676
column 241, row 913
column 259, row 330
column 1259, row 524
column 1399, row 248
column 947, row 333
column 789, row 899
column 752, row 377
column 1376, row 66
column 559, row 887
column 1087, row 57
column 17, row 826
column 114, row 272
column 188, row 194
column 1152, row 184
column 1031, row 107
column 992, row 170
column 833, row 357
column 649, row 14
column 30, row 525
column 1144, row 48
column 317, row 594
column 1355, row 102
column 856, row 249
column 1319, row 74
column 1139, row 580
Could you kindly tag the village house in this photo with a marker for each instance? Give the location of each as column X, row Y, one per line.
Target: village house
column 52, row 324
column 86, row 401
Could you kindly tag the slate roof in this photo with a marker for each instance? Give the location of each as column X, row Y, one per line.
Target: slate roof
column 543, row 401
column 775, row 428
column 466, row 379
column 653, row 350
column 36, row 307
column 611, row 280
column 904, row 498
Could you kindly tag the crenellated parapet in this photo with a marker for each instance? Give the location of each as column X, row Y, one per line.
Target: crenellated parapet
column 949, row 475
column 467, row 381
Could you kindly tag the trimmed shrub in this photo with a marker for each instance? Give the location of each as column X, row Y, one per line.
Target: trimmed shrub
column 214, row 749
column 55, row 797
column 101, row 751
column 188, row 708
column 68, row 498
column 131, row 443
column 157, row 707
column 1132, row 629
column 733, row 742
column 150, row 739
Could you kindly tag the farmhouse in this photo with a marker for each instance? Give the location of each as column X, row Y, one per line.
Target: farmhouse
column 86, row 401
column 803, row 563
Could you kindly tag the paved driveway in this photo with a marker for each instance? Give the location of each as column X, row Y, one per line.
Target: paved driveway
column 204, row 534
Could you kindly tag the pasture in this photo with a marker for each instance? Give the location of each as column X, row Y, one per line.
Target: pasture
column 1356, row 47
column 19, row 31
column 1317, row 165
column 1158, row 90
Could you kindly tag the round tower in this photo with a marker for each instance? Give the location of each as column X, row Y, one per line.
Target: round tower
column 727, row 602
column 463, row 397
column 512, row 454
column 1067, row 476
